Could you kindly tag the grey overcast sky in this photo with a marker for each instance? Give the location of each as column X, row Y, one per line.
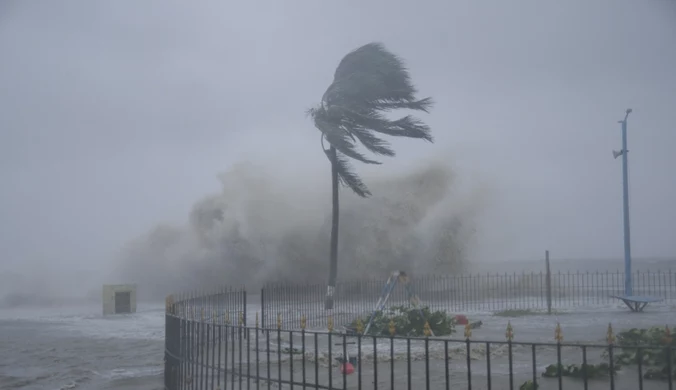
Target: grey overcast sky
column 117, row 115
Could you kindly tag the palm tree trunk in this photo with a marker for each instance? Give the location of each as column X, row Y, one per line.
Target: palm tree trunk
column 333, row 259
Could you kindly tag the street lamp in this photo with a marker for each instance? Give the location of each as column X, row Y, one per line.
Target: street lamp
column 635, row 303
column 628, row 288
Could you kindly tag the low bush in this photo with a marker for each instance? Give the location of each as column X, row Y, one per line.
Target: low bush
column 657, row 355
column 408, row 321
column 654, row 360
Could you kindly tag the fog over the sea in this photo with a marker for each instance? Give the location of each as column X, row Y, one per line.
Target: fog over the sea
column 166, row 142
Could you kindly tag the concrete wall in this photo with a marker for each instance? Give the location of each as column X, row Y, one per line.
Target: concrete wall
column 109, row 291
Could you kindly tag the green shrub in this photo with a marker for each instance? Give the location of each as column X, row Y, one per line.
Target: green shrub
column 625, row 352
column 579, row 371
column 408, row 321
column 655, row 360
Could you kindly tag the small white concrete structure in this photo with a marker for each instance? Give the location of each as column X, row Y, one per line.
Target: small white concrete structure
column 119, row 298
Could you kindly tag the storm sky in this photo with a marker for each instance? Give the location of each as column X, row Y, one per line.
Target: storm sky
column 118, row 115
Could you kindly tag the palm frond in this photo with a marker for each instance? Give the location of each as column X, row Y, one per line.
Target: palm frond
column 347, row 177
column 367, row 83
column 407, row 126
column 419, row 105
column 362, row 133
column 371, row 142
column 368, row 120
column 338, row 136
column 372, row 76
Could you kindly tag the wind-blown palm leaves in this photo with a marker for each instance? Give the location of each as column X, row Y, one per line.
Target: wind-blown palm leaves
column 368, row 83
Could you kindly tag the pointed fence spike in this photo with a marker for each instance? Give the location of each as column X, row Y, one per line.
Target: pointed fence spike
column 427, row 330
column 558, row 333
column 468, row 331
column 667, row 335
column 360, row 326
column 610, row 337
column 509, row 333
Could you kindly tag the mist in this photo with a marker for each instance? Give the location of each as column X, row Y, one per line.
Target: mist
column 116, row 119
column 265, row 228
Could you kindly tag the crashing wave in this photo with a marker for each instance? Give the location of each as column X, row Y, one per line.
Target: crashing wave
column 260, row 229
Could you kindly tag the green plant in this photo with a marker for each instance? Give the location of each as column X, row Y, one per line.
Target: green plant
column 529, row 385
column 652, row 357
column 408, row 321
column 656, row 345
column 579, row 371
column 290, row 351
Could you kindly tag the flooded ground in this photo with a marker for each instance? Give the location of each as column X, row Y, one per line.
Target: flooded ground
column 78, row 348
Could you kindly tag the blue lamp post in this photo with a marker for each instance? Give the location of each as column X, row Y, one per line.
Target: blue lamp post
column 635, row 303
column 628, row 287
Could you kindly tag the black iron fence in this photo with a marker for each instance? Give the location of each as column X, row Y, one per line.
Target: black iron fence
column 207, row 306
column 224, row 353
column 213, row 343
column 471, row 292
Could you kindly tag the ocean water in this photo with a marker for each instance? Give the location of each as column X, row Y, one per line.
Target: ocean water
column 77, row 348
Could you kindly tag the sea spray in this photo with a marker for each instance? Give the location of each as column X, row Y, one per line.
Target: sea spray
column 263, row 228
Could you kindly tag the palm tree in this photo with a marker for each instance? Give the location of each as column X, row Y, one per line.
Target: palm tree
column 368, row 83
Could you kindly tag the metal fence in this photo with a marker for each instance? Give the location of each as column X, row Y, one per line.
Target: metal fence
column 223, row 353
column 207, row 306
column 470, row 292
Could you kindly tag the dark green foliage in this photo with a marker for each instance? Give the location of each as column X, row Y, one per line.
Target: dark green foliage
column 368, row 83
column 408, row 321
column 529, row 385
column 656, row 335
column 656, row 346
column 655, row 360
column 579, row 371
column 659, row 373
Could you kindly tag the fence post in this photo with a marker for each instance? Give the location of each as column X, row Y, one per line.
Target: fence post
column 549, row 283
column 263, row 307
column 244, row 311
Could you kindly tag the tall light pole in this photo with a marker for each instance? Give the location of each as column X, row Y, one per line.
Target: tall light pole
column 628, row 287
